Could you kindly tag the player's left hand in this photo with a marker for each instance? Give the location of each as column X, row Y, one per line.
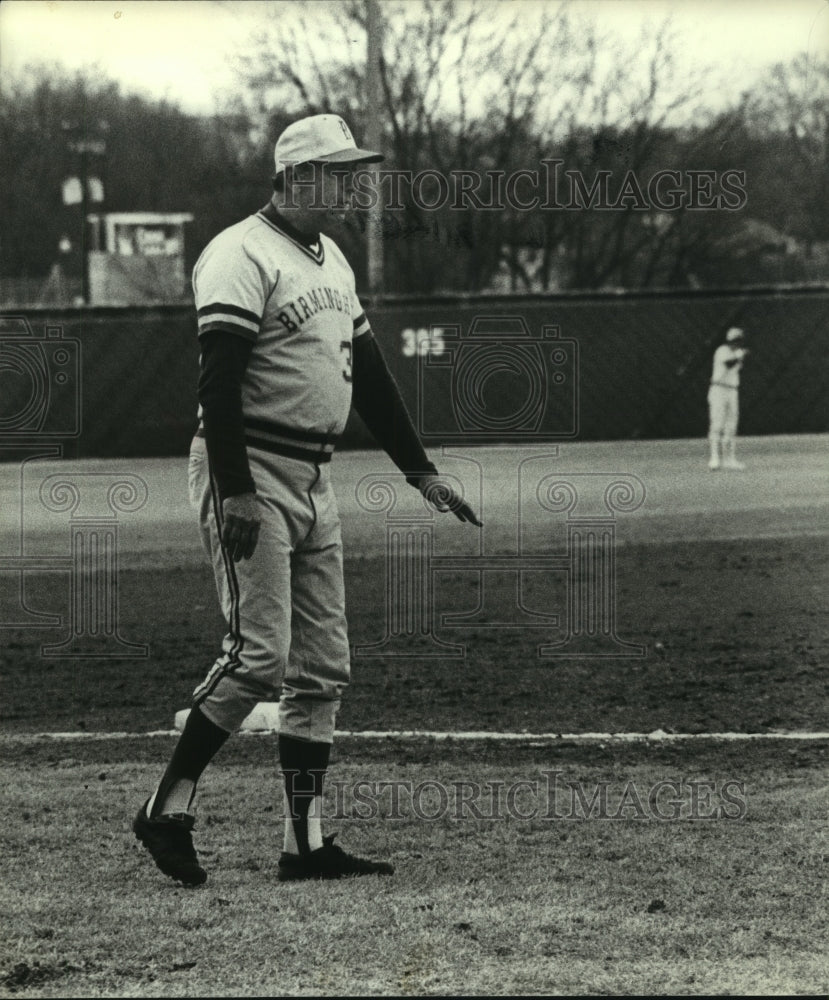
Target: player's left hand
column 242, row 521
column 443, row 498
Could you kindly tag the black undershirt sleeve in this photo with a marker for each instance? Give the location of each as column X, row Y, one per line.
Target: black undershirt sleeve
column 224, row 358
column 377, row 399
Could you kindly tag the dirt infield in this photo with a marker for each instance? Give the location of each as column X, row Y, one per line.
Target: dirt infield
column 722, row 578
column 744, row 647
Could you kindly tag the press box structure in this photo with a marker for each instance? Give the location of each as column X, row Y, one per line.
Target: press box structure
column 137, row 258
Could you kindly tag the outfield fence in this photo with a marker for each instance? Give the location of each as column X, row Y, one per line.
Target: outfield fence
column 592, row 366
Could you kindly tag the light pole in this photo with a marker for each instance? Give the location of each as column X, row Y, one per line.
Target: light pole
column 86, row 148
column 374, row 140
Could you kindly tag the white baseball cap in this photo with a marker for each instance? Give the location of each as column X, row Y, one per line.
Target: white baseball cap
column 735, row 333
column 324, row 138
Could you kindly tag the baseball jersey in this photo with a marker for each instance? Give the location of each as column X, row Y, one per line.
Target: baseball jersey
column 295, row 299
column 722, row 374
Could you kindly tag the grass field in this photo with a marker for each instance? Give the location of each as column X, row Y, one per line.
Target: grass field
column 650, row 866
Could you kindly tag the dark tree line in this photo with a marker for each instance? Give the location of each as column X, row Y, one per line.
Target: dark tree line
column 156, row 158
column 458, row 96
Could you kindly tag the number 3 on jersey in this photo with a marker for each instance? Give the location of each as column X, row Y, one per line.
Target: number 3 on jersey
column 345, row 349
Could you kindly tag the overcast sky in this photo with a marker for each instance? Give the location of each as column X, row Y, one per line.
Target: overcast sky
column 181, row 50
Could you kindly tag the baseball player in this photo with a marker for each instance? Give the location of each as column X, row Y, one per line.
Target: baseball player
column 723, row 401
column 285, row 349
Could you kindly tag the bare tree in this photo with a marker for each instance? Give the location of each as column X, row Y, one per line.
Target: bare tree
column 496, row 88
column 789, row 112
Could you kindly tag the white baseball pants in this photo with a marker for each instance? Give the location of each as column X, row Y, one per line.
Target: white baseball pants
column 285, row 606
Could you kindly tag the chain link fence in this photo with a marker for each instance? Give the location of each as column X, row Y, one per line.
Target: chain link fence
column 576, row 367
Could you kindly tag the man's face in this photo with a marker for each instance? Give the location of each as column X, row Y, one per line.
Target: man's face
column 322, row 187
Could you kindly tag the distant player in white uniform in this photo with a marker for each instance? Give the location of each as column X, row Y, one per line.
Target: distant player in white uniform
column 724, row 402
column 285, row 350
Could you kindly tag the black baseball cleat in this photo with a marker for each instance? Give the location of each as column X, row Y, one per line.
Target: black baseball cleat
column 169, row 839
column 328, row 861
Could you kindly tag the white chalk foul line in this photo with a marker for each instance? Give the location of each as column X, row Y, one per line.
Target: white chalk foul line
column 657, row 736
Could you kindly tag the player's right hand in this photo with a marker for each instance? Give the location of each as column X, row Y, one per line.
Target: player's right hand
column 240, row 531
